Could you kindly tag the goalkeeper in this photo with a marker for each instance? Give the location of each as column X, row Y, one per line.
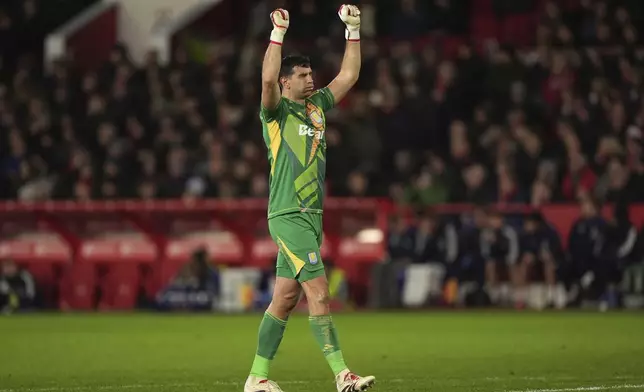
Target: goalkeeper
column 293, row 117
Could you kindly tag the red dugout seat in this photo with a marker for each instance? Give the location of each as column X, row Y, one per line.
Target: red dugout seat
column 41, row 251
column 111, row 254
column 78, row 288
column 223, row 247
column 120, row 287
column 108, row 251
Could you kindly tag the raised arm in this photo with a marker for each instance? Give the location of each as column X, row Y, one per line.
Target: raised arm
column 350, row 69
column 273, row 60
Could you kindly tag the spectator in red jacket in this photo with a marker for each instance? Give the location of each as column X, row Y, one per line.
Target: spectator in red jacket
column 580, row 178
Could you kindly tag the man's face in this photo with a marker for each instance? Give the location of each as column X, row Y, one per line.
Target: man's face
column 474, row 177
column 9, row 268
column 427, row 225
column 588, row 209
column 530, row 226
column 496, row 221
column 397, row 224
column 300, row 83
column 480, row 218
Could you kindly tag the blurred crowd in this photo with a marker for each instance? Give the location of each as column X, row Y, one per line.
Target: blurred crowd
column 553, row 120
column 498, row 257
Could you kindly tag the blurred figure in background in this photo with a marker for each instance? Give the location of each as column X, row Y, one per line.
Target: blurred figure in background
column 500, row 248
column 540, row 256
column 432, row 239
column 586, row 244
column 468, row 273
column 17, row 288
column 434, row 242
column 580, row 178
column 620, row 251
column 398, row 241
column 195, row 287
column 338, row 285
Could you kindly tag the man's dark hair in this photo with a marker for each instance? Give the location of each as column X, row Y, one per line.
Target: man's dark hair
column 535, row 217
column 290, row 62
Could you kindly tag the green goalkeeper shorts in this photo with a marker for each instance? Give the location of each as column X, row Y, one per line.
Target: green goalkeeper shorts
column 299, row 237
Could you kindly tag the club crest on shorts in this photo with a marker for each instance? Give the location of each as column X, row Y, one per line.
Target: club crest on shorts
column 313, row 258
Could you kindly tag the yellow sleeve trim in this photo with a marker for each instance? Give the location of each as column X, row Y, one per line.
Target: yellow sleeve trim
column 275, row 137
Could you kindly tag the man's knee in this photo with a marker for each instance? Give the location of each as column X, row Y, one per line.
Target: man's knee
column 287, row 301
column 317, row 291
column 319, row 296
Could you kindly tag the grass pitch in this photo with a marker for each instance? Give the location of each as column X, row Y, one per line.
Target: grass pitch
column 444, row 352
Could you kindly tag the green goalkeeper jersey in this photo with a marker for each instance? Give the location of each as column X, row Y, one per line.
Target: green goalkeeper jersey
column 294, row 136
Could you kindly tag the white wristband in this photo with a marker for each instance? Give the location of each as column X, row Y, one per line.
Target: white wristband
column 352, row 35
column 277, row 36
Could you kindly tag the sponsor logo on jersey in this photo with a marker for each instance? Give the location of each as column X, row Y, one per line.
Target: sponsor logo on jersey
column 310, row 132
column 313, row 258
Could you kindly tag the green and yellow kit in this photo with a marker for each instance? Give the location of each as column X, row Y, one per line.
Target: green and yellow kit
column 294, row 136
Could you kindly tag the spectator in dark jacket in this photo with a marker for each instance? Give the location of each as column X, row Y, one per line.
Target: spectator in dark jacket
column 433, row 240
column 619, row 251
column 500, row 249
column 470, row 265
column 17, row 288
column 398, row 244
column 586, row 241
column 622, row 236
column 477, row 187
column 195, row 287
column 409, row 22
column 540, row 255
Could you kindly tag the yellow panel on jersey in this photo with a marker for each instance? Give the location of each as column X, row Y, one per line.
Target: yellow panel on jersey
column 308, row 190
column 275, row 137
column 307, row 178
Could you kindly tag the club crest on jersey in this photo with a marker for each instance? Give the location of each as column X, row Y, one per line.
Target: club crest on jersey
column 315, row 115
column 313, row 258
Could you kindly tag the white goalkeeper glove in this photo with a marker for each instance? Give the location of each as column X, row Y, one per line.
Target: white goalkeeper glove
column 350, row 15
column 280, row 20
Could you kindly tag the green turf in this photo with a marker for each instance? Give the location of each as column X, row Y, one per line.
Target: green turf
column 407, row 352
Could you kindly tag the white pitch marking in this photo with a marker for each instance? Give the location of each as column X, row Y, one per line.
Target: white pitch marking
column 95, row 387
column 582, row 389
column 132, row 386
column 236, row 383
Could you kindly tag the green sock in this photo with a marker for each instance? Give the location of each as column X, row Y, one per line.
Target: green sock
column 324, row 332
column 271, row 331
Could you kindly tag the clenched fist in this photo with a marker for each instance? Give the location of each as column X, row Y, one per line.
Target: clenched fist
column 350, row 15
column 280, row 20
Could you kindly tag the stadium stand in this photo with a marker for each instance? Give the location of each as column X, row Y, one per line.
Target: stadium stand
column 515, row 104
column 544, row 121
